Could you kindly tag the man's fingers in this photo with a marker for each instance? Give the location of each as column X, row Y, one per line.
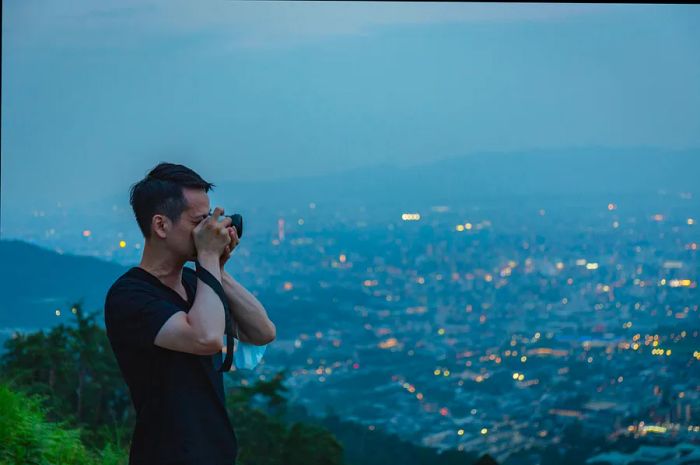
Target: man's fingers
column 217, row 212
column 233, row 238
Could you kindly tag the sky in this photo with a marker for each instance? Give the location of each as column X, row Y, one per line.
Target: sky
column 94, row 94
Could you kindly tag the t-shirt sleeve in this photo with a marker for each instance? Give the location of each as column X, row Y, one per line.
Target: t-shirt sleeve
column 133, row 316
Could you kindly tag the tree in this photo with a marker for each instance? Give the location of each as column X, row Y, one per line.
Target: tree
column 265, row 437
column 73, row 369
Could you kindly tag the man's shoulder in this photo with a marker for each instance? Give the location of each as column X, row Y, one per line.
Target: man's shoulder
column 127, row 292
column 125, row 282
column 134, row 282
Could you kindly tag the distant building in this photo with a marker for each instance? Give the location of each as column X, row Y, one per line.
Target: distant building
column 680, row 454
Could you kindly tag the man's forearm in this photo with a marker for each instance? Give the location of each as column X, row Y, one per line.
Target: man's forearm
column 254, row 326
column 206, row 316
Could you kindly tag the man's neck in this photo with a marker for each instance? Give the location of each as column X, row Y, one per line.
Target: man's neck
column 166, row 268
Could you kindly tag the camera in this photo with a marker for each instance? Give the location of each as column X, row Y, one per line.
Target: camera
column 237, row 221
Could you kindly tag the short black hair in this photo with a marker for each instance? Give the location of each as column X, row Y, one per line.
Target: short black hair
column 160, row 192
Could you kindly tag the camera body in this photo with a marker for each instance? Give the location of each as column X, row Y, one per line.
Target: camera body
column 237, row 221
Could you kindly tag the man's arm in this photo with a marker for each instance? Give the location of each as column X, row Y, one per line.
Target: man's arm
column 254, row 326
column 201, row 329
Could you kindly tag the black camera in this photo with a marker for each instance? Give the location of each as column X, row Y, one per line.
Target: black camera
column 237, row 221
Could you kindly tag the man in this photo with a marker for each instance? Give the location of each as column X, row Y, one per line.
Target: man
column 166, row 326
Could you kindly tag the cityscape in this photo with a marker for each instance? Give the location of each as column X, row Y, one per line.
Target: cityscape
column 474, row 225
column 491, row 328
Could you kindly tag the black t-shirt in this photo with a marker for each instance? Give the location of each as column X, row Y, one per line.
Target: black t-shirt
column 178, row 397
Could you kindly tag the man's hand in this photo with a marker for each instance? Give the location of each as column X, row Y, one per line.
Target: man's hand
column 229, row 248
column 211, row 237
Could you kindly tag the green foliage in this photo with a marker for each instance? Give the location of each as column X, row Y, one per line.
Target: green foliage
column 305, row 443
column 74, row 370
column 259, row 411
column 28, row 438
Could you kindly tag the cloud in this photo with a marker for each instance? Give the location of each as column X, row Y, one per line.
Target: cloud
column 86, row 23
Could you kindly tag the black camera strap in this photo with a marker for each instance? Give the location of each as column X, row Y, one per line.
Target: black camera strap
column 211, row 281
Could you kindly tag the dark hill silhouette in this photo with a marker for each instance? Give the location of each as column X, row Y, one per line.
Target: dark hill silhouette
column 35, row 282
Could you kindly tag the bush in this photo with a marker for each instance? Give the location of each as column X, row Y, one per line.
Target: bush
column 28, row 438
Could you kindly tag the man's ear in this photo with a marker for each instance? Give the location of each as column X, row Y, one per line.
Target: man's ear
column 160, row 225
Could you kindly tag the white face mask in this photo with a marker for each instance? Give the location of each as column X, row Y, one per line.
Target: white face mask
column 247, row 356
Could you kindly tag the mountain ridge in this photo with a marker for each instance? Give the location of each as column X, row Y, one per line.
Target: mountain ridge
column 571, row 171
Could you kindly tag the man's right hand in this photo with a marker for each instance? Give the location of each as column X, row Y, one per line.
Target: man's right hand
column 211, row 236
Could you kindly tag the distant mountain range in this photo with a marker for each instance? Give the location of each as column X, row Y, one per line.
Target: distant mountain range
column 491, row 175
column 35, row 282
column 567, row 173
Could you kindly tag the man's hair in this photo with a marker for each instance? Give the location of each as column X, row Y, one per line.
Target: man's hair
column 160, row 192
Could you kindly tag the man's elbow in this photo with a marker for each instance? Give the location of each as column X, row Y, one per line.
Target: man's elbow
column 269, row 334
column 211, row 346
column 266, row 335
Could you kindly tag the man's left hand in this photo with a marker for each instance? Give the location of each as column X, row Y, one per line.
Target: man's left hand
column 229, row 248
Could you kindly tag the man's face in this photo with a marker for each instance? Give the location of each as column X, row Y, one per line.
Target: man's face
column 197, row 209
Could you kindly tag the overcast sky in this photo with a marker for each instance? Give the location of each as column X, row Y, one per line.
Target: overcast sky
column 96, row 93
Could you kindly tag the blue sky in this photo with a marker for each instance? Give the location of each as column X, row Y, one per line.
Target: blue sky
column 96, row 93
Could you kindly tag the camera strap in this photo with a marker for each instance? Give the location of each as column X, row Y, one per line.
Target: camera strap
column 211, row 281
